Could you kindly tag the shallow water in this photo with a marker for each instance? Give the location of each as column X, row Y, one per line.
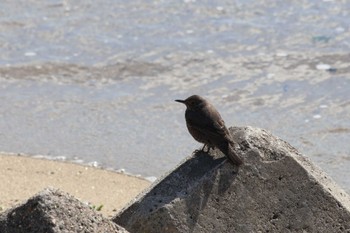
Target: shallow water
column 96, row 81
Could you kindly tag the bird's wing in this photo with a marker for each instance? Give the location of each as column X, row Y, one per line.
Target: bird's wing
column 207, row 126
column 210, row 129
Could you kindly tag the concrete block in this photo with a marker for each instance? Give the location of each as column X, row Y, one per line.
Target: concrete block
column 276, row 190
column 53, row 211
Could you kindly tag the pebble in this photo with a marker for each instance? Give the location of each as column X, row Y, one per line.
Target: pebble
column 270, row 75
column 122, row 170
column 340, row 29
column 281, row 54
column 323, row 66
column 30, row 54
column 219, row 8
column 151, row 178
column 93, row 164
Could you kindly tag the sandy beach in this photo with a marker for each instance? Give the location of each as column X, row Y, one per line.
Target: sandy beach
column 23, row 176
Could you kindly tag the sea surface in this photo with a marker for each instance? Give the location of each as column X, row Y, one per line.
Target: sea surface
column 95, row 81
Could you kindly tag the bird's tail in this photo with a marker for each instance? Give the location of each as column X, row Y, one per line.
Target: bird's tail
column 228, row 149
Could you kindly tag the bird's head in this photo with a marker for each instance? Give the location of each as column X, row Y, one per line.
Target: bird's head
column 193, row 102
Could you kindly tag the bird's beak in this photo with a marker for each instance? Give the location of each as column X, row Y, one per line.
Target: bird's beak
column 181, row 101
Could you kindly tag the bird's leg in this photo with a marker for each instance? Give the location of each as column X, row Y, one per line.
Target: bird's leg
column 204, row 147
column 200, row 150
column 208, row 146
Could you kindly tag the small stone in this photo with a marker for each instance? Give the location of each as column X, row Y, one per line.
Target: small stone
column 281, row 54
column 323, row 66
column 30, row 54
column 269, row 76
column 151, row 178
column 340, row 29
column 122, row 170
column 93, row 164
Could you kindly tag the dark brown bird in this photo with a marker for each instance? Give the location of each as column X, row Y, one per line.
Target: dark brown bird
column 206, row 126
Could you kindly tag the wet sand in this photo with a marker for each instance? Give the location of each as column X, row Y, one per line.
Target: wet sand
column 22, row 177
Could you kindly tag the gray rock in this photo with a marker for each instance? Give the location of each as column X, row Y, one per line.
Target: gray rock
column 276, row 190
column 53, row 211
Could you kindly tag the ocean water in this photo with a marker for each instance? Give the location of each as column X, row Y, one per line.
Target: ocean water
column 95, row 81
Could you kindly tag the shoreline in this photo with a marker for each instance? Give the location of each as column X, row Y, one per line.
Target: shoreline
column 92, row 164
column 23, row 176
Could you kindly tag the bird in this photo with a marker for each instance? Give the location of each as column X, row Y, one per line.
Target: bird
column 206, row 125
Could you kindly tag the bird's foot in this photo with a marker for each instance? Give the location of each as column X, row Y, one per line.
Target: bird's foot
column 202, row 150
column 208, row 148
column 197, row 152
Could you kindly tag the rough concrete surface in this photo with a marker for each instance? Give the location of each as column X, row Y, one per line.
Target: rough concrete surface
column 276, row 190
column 53, row 211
